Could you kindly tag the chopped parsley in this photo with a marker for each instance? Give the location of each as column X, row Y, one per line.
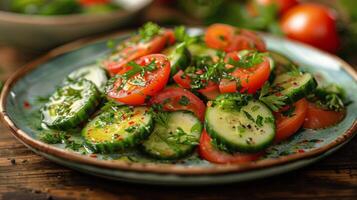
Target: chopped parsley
column 182, row 36
column 232, row 101
column 53, row 137
column 184, row 101
column 330, row 97
column 149, row 30
column 248, row 61
column 273, row 101
column 161, row 117
column 181, row 137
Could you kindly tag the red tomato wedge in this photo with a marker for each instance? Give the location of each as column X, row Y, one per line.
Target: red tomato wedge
column 287, row 126
column 133, row 51
column 211, row 91
column 318, row 118
column 229, row 38
column 137, row 88
column 251, row 79
column 182, row 80
column 208, row 152
column 175, row 98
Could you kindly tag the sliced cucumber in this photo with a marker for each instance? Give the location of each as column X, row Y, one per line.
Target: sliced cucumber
column 71, row 105
column 250, row 129
column 175, row 140
column 179, row 57
column 118, row 128
column 92, row 73
column 201, row 50
column 282, row 64
column 294, row 86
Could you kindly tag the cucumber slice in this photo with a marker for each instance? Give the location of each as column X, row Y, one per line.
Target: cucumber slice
column 179, row 57
column 250, row 129
column 71, row 105
column 294, row 86
column 282, row 64
column 118, row 128
column 177, row 139
column 93, row 73
column 201, row 50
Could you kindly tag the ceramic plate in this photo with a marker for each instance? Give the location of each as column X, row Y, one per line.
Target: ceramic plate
column 19, row 108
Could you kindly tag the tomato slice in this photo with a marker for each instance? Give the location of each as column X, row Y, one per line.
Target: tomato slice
column 287, row 126
column 251, row 79
column 211, row 91
column 182, row 80
column 318, row 118
column 133, row 51
column 137, row 88
column 208, row 152
column 229, row 38
column 219, row 36
column 175, row 98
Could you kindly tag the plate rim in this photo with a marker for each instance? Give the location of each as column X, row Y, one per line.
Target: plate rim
column 23, row 137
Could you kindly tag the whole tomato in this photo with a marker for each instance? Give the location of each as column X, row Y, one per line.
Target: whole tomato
column 313, row 24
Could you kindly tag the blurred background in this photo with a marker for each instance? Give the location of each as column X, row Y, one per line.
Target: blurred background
column 30, row 28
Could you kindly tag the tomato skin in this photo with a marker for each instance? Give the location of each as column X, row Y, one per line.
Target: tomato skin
column 93, row 2
column 251, row 79
column 318, row 118
column 182, row 80
column 211, row 91
column 133, row 52
column 208, row 152
column 154, row 82
column 287, row 126
column 228, row 38
column 169, row 98
column 312, row 24
column 219, row 36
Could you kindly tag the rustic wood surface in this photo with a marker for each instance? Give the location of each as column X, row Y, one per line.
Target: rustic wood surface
column 26, row 176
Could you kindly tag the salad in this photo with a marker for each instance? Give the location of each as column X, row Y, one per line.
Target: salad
column 62, row 7
column 169, row 94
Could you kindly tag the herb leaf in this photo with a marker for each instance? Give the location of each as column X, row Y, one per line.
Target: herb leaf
column 273, row 101
column 149, row 30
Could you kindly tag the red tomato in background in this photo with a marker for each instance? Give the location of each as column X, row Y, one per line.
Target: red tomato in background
column 318, row 118
column 313, row 24
column 133, row 94
column 92, row 2
column 283, row 5
column 170, row 99
column 287, row 126
column 209, row 152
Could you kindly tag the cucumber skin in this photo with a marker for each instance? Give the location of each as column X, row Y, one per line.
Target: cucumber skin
column 82, row 115
column 110, row 147
column 177, row 155
column 233, row 147
column 300, row 93
column 180, row 58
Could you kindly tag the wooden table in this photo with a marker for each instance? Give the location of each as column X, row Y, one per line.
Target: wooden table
column 25, row 175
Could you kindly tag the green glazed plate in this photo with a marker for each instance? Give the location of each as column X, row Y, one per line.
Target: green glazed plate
column 40, row 78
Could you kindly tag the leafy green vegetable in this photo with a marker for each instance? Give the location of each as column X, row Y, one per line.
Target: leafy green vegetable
column 232, row 101
column 274, row 102
column 149, row 30
column 181, row 137
column 329, row 97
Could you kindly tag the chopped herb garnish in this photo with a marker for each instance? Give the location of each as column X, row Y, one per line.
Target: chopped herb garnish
column 248, row 61
column 149, row 30
column 161, row 117
column 259, row 121
column 184, row 101
column 181, row 137
column 53, row 137
column 289, row 112
column 273, row 101
column 232, row 101
column 250, row 117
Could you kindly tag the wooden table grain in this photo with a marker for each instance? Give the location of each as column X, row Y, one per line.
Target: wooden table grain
column 27, row 176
